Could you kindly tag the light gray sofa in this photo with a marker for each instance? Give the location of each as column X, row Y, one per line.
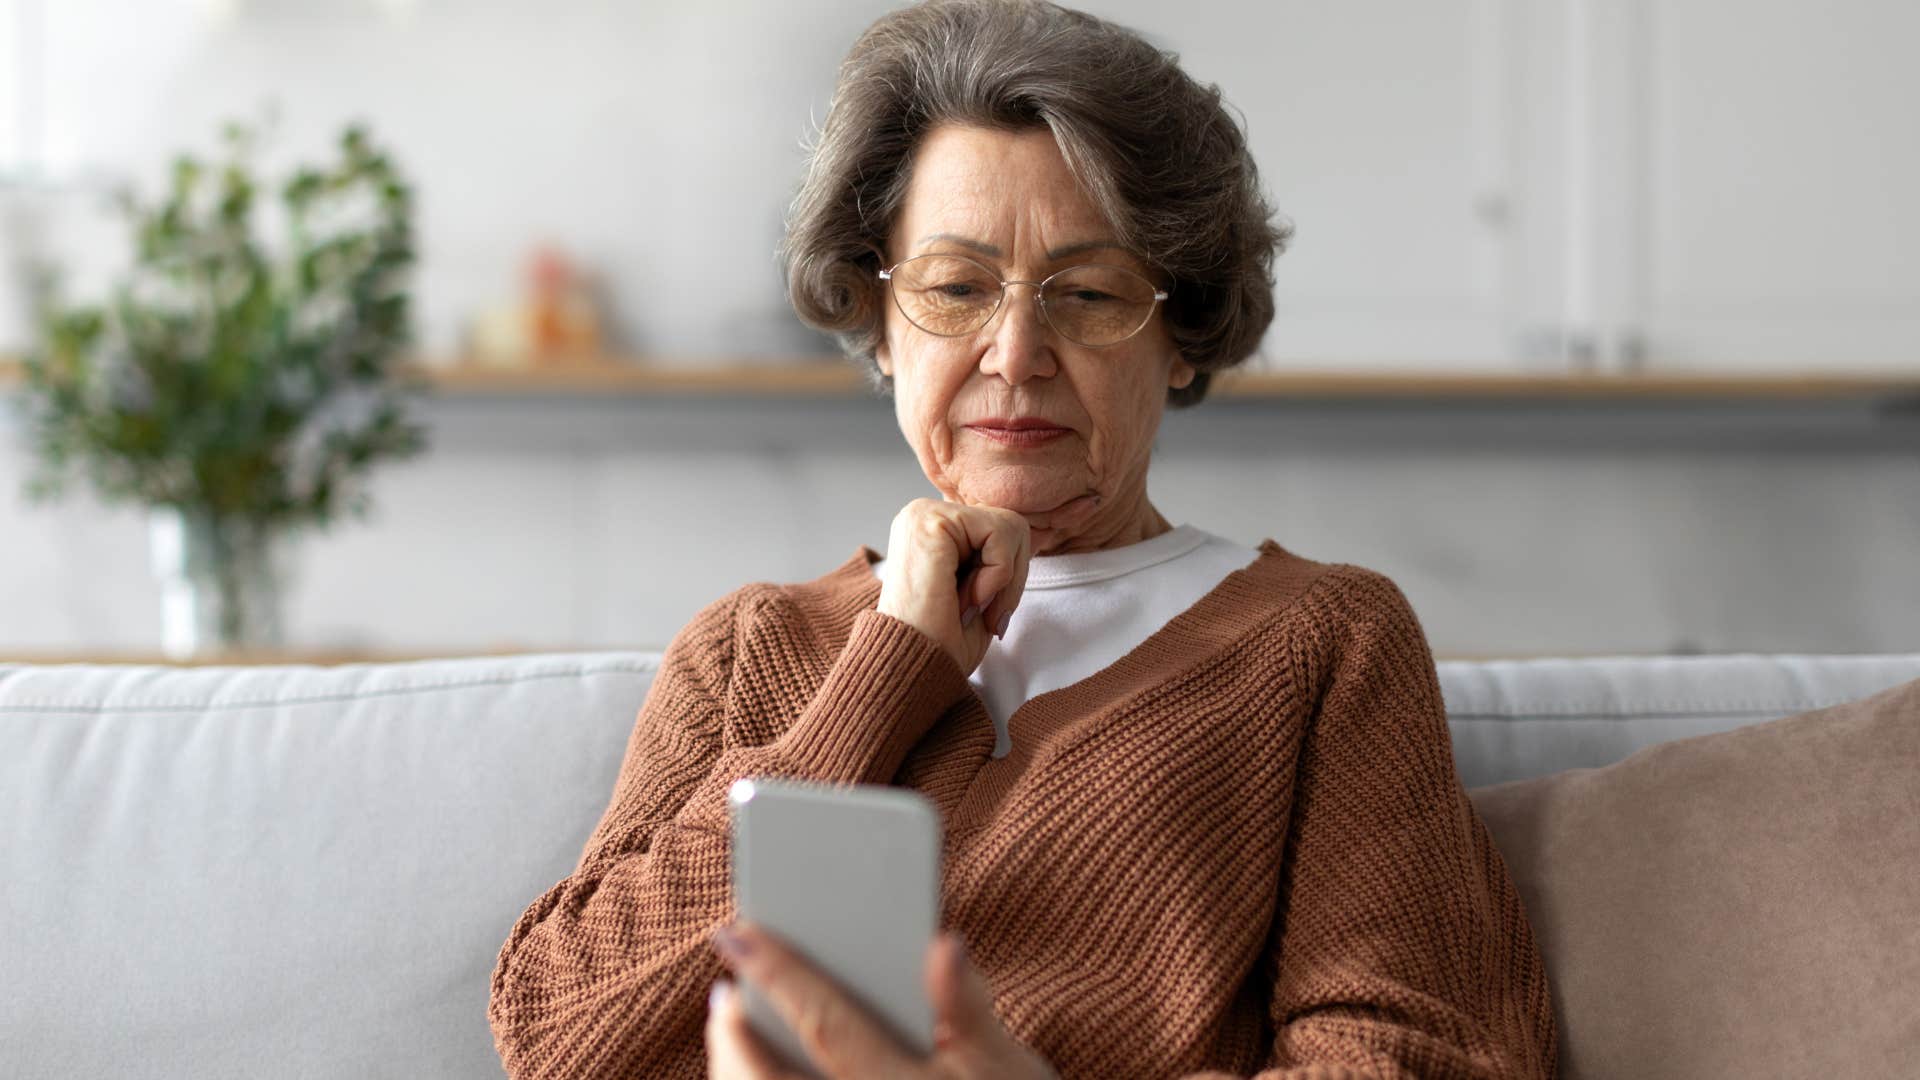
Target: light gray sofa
column 308, row 871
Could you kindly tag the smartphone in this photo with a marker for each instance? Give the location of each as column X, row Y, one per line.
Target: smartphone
column 850, row 876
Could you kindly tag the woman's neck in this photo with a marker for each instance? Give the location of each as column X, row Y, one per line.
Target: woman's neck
column 1136, row 523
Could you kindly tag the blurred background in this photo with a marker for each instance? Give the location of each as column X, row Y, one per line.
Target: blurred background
column 1600, row 331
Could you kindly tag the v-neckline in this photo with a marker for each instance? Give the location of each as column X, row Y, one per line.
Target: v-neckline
column 1225, row 613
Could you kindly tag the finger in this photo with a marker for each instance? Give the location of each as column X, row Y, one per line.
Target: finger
column 962, row 1000
column 733, row 1050
column 841, row 1036
column 955, row 531
column 1009, row 596
column 1000, row 536
column 981, row 542
column 1002, row 608
column 969, row 565
column 923, row 532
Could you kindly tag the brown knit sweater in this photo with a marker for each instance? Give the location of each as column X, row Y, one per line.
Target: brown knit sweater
column 1241, row 848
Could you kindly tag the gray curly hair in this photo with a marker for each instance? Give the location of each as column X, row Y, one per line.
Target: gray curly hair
column 1162, row 160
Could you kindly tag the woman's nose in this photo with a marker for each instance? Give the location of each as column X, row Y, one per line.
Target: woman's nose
column 1019, row 349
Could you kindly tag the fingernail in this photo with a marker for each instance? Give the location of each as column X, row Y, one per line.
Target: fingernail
column 967, row 617
column 959, row 947
column 730, row 944
column 718, row 995
column 1000, row 631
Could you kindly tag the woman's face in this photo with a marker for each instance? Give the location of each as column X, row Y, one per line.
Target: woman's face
column 1007, row 200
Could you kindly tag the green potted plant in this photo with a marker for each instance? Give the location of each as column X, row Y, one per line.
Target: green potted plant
column 238, row 393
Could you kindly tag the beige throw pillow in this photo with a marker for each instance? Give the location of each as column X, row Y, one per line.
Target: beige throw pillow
column 1744, row 904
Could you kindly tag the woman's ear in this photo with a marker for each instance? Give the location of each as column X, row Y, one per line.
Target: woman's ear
column 884, row 359
column 1181, row 373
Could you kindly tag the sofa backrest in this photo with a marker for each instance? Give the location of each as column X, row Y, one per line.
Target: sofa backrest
column 1515, row 719
column 244, row 872
column 294, row 871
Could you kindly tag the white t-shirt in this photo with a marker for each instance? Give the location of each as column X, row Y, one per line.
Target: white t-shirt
column 1081, row 613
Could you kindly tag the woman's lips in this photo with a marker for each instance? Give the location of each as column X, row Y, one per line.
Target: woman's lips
column 1025, row 431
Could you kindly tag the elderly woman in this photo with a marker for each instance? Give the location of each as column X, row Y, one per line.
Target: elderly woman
column 1201, row 811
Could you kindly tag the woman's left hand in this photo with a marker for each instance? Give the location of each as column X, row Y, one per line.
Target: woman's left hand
column 844, row 1040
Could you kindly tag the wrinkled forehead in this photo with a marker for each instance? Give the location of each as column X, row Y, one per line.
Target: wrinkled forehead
column 1000, row 196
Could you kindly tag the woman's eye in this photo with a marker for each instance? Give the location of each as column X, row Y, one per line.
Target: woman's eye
column 1088, row 296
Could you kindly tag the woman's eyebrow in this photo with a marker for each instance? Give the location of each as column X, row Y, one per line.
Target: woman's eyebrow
column 989, row 249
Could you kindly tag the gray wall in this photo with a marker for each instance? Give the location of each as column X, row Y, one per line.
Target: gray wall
column 608, row 523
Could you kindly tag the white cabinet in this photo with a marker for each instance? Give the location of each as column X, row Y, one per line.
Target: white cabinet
column 1718, row 186
column 1383, row 132
column 1782, row 184
column 1546, row 185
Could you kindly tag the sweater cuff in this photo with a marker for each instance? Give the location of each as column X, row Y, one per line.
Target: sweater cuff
column 885, row 691
column 882, row 694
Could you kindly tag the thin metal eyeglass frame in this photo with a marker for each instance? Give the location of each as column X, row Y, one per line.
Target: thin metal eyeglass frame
column 1039, row 297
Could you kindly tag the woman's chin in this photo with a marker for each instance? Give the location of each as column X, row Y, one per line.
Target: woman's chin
column 1031, row 499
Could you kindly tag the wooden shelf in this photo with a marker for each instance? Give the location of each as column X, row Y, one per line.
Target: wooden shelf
column 831, row 377
column 1521, row 387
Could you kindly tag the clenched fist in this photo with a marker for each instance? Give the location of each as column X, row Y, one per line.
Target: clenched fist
column 955, row 573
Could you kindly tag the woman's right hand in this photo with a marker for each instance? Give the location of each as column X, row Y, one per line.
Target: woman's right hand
column 955, row 573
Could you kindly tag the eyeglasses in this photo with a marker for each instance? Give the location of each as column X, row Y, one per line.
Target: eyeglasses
column 1092, row 304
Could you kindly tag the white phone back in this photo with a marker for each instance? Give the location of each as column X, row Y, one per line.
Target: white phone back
column 849, row 875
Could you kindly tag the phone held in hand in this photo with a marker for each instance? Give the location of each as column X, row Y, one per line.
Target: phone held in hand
column 850, row 876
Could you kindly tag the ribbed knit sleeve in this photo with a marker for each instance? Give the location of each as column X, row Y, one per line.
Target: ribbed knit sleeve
column 606, row 974
column 1400, row 948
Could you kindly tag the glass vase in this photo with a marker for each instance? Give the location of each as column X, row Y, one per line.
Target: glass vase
column 223, row 581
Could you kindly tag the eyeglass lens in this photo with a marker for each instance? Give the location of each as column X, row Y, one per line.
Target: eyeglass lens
column 1089, row 304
